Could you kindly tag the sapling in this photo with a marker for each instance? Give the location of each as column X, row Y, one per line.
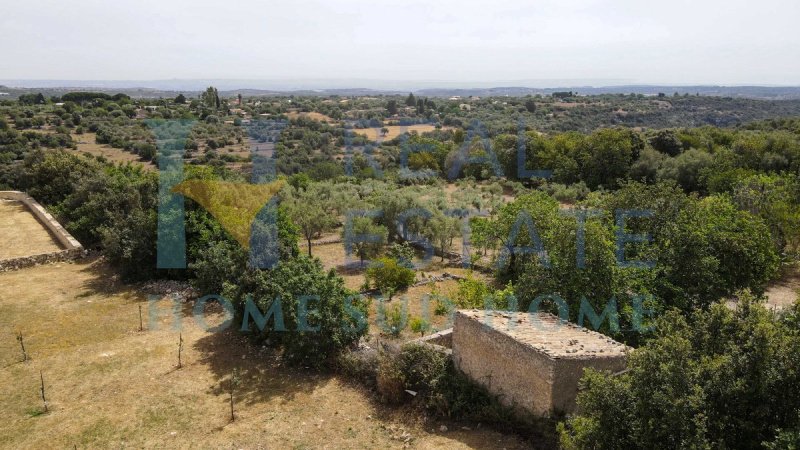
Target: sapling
column 22, row 345
column 233, row 383
column 44, row 399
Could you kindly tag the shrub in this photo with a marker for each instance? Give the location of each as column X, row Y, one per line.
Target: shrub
column 446, row 392
column 420, row 325
column 403, row 253
column 388, row 276
column 395, row 319
column 336, row 313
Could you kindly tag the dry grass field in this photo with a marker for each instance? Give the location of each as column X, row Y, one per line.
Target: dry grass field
column 374, row 134
column 319, row 117
column 110, row 385
column 21, row 234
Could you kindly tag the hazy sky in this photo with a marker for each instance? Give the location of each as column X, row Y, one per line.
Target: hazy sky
column 633, row 41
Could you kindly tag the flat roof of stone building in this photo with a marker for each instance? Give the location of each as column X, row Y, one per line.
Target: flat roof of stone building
column 547, row 334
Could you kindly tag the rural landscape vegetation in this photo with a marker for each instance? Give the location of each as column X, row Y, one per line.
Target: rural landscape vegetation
column 224, row 263
column 714, row 364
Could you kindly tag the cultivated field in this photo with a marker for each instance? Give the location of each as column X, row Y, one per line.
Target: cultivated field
column 110, row 385
column 21, row 234
column 87, row 144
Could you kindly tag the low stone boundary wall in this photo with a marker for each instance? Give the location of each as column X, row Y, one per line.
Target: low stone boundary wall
column 22, row 262
column 72, row 248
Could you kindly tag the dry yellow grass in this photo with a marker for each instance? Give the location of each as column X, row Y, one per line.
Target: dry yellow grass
column 21, row 234
column 394, row 130
column 110, row 385
column 311, row 115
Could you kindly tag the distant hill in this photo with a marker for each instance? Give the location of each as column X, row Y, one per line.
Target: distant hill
column 171, row 88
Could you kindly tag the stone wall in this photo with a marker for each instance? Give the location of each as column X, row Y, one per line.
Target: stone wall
column 72, row 248
column 35, row 260
column 532, row 366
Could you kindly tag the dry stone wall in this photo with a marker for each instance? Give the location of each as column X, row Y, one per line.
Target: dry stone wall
column 71, row 247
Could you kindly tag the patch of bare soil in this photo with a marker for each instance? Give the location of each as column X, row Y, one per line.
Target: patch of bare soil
column 783, row 292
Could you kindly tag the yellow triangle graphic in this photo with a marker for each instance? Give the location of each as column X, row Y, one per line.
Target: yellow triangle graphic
column 234, row 205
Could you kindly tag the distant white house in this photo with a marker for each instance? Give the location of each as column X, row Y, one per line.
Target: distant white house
column 151, row 108
column 3, row 93
column 59, row 104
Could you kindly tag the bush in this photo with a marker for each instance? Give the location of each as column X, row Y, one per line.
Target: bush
column 420, row 325
column 472, row 293
column 388, row 276
column 336, row 313
column 395, row 319
column 446, row 392
column 403, row 253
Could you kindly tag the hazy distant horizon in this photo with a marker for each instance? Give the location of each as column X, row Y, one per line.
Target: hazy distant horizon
column 660, row 42
column 334, row 84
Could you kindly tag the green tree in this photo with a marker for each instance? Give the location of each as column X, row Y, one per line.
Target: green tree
column 608, row 157
column 391, row 106
column 530, row 105
column 712, row 250
column 372, row 241
column 721, row 379
column 667, row 142
column 442, row 230
column 309, row 214
column 210, row 98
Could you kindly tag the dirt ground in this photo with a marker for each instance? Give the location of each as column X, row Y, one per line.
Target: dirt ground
column 784, row 291
column 21, row 234
column 110, row 385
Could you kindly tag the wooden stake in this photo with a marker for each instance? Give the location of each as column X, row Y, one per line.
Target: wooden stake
column 22, row 344
column 234, row 381
column 233, row 417
column 180, row 349
column 44, row 400
column 140, row 318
